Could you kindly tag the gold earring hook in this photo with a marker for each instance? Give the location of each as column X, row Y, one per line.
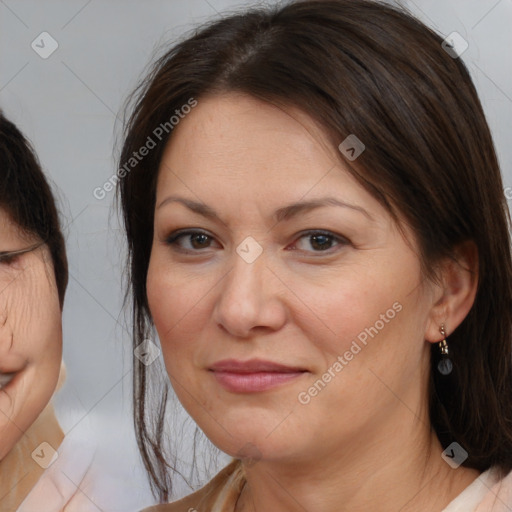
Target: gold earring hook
column 443, row 345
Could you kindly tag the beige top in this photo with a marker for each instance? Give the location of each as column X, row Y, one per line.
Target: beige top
column 49, row 472
column 219, row 495
column 486, row 494
column 19, row 472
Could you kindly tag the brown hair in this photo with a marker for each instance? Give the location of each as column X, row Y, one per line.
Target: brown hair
column 27, row 198
column 365, row 68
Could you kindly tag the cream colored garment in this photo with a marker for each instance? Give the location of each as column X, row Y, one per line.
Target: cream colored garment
column 46, row 471
column 486, row 494
column 66, row 485
column 471, row 496
column 19, row 472
column 498, row 498
column 80, row 478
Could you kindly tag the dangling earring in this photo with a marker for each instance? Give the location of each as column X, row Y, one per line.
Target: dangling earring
column 445, row 365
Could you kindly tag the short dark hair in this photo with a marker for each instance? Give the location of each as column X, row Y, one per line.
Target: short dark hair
column 26, row 197
column 366, row 68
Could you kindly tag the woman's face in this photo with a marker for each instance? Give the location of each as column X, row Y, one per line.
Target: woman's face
column 30, row 333
column 287, row 331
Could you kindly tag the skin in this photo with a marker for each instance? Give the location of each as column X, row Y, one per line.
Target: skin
column 30, row 333
column 363, row 442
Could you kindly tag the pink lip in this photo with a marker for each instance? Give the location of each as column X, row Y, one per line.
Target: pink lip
column 253, row 375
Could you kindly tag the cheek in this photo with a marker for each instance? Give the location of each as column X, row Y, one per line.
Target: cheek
column 31, row 340
column 175, row 303
column 32, row 315
column 372, row 308
column 177, row 308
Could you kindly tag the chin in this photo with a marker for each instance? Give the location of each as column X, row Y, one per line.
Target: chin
column 250, row 440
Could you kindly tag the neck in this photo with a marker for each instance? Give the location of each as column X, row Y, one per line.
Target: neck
column 400, row 469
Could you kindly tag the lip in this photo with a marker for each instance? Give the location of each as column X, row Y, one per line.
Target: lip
column 253, row 366
column 254, row 375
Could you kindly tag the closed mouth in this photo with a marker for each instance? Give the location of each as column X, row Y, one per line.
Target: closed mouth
column 252, row 366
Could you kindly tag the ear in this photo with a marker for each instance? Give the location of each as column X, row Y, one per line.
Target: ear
column 456, row 291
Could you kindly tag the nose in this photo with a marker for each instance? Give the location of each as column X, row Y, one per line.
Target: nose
column 250, row 299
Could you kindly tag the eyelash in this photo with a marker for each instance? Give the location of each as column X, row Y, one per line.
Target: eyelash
column 173, row 239
column 10, row 257
column 7, row 258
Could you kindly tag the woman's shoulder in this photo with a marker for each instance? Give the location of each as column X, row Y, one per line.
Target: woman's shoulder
column 218, row 495
column 221, row 493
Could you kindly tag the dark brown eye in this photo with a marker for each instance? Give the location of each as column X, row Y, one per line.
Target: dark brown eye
column 190, row 240
column 199, row 241
column 320, row 241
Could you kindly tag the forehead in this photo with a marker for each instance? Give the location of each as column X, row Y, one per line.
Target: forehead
column 243, row 142
column 225, row 124
column 11, row 232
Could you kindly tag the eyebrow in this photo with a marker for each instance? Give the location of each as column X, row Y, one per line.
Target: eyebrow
column 281, row 214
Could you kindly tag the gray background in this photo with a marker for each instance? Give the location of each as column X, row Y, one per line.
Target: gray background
column 67, row 105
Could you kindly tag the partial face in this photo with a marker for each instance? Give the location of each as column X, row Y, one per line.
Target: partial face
column 283, row 327
column 30, row 333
